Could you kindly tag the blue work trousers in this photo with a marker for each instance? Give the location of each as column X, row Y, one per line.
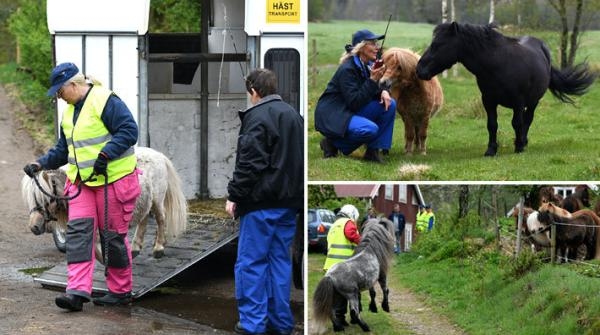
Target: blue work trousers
column 263, row 270
column 372, row 125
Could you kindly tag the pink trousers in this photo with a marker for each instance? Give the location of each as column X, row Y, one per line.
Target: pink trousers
column 122, row 195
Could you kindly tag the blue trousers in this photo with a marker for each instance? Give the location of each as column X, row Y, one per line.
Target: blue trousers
column 263, row 270
column 372, row 125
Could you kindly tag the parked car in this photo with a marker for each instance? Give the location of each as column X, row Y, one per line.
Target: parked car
column 319, row 222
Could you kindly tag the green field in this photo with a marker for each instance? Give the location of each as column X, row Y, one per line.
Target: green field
column 562, row 139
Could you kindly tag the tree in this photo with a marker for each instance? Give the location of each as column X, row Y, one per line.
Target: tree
column 492, row 11
column 568, row 45
column 463, row 201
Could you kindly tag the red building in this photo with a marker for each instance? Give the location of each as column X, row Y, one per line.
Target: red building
column 382, row 198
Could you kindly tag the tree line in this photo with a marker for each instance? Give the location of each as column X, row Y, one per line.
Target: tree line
column 530, row 14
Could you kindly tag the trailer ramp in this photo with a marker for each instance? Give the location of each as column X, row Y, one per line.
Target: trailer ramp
column 203, row 236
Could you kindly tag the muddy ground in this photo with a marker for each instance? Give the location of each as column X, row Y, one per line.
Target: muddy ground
column 28, row 308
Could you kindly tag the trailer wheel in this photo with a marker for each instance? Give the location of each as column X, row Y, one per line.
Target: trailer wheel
column 59, row 235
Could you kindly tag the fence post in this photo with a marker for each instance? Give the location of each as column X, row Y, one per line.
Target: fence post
column 519, row 223
column 553, row 244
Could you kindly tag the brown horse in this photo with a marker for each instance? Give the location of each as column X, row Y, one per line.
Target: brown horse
column 573, row 229
column 417, row 100
column 547, row 194
column 577, row 200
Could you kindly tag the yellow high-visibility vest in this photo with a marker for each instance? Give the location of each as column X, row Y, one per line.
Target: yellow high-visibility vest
column 88, row 136
column 422, row 221
column 339, row 248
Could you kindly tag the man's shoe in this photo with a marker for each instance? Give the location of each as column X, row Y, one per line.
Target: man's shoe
column 238, row 329
column 271, row 331
column 373, row 156
column 71, row 302
column 329, row 150
column 113, row 299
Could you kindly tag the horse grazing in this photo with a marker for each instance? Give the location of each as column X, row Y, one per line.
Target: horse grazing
column 511, row 72
column 161, row 195
column 358, row 273
column 577, row 200
column 573, row 230
column 417, row 100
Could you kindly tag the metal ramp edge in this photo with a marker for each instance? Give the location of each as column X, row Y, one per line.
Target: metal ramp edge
column 204, row 236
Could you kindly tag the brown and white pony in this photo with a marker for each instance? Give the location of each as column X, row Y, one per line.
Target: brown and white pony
column 161, row 195
column 417, row 100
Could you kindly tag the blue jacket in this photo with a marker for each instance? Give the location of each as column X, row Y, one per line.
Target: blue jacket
column 117, row 119
column 348, row 91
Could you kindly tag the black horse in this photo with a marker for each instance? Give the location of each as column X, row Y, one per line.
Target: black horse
column 511, row 72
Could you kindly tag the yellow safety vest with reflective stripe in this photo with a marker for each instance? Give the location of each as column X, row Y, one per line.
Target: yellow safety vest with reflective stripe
column 87, row 137
column 339, row 248
column 422, row 221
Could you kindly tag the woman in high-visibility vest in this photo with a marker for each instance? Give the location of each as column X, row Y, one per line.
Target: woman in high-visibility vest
column 422, row 219
column 342, row 238
column 97, row 135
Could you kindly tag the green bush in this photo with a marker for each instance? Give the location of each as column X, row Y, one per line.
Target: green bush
column 526, row 262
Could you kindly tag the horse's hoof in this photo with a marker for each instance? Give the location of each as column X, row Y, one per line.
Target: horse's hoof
column 373, row 309
column 490, row 153
column 519, row 150
column 365, row 328
column 134, row 253
column 338, row 328
column 158, row 253
column 385, row 307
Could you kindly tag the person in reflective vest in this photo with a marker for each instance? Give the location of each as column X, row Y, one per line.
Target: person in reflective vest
column 342, row 238
column 422, row 220
column 430, row 217
column 97, row 135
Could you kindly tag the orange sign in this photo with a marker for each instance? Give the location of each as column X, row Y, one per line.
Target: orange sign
column 283, row 11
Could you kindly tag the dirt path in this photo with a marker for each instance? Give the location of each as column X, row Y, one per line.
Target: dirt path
column 418, row 317
column 27, row 308
column 407, row 308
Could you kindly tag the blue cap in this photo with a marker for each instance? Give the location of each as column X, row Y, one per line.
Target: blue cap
column 60, row 75
column 363, row 35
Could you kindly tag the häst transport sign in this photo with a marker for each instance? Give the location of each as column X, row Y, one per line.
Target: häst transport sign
column 283, row 11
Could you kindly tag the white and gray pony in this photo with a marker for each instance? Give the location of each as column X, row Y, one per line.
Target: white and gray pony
column 358, row 273
column 161, row 195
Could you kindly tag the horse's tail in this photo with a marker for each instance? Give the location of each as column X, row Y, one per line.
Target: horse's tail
column 175, row 203
column 571, row 81
column 323, row 303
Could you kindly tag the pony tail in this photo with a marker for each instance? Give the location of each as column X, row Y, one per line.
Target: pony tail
column 175, row 203
column 322, row 303
column 571, row 81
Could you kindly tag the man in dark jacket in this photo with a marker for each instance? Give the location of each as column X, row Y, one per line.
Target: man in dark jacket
column 354, row 110
column 399, row 222
column 266, row 192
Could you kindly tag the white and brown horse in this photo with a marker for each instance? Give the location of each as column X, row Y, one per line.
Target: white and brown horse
column 161, row 195
column 417, row 100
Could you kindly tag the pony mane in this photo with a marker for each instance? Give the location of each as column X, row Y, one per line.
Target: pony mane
column 377, row 236
column 473, row 36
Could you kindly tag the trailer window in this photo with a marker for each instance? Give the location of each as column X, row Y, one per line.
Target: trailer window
column 286, row 64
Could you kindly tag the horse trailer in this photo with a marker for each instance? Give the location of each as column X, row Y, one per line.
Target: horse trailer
column 185, row 89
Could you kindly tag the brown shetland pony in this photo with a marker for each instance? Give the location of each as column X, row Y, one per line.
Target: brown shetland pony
column 580, row 227
column 417, row 100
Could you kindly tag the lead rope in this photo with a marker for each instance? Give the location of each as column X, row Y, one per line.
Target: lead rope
column 105, row 225
column 224, row 33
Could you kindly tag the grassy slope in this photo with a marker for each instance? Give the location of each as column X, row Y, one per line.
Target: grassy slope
column 561, row 138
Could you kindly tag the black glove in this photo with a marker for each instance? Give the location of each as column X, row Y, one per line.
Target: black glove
column 100, row 164
column 31, row 169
